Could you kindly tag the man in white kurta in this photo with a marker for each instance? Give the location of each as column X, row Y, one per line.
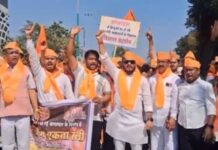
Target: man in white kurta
column 162, row 134
column 97, row 88
column 39, row 72
column 102, row 86
column 127, row 125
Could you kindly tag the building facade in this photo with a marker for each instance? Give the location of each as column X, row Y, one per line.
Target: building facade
column 4, row 25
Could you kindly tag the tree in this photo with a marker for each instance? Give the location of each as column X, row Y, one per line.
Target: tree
column 119, row 51
column 57, row 36
column 186, row 43
column 201, row 15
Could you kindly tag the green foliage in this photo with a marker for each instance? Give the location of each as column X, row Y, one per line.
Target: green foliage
column 214, row 6
column 201, row 16
column 118, row 51
column 186, row 43
column 56, row 34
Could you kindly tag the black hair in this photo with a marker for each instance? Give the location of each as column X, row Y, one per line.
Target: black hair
column 91, row 52
column 145, row 68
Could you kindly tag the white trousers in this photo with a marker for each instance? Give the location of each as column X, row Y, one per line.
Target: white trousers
column 162, row 139
column 120, row 145
column 15, row 132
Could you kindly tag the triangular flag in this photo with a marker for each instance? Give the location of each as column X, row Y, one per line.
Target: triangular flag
column 130, row 16
column 190, row 54
column 41, row 39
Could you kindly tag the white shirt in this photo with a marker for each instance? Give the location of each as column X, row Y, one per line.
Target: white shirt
column 196, row 102
column 102, row 86
column 63, row 82
column 128, row 125
column 170, row 106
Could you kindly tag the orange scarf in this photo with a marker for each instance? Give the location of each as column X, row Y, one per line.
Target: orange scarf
column 159, row 89
column 128, row 96
column 10, row 80
column 87, row 85
column 50, row 82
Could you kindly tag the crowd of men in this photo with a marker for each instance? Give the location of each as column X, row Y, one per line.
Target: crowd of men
column 160, row 105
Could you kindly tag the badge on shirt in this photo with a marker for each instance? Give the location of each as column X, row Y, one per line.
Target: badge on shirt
column 169, row 84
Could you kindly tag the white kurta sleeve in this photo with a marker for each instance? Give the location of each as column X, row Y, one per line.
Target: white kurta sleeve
column 110, row 67
column 147, row 99
column 79, row 75
column 210, row 100
column 106, row 86
column 78, row 69
column 174, row 102
column 34, row 59
column 151, row 84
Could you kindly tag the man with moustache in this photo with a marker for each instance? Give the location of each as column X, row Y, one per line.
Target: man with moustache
column 18, row 99
column 52, row 84
column 164, row 94
column 132, row 97
column 89, row 84
column 197, row 108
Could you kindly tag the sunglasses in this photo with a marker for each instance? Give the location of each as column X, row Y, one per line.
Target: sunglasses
column 129, row 61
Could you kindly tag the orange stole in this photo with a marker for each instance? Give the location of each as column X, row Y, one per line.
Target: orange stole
column 10, row 80
column 50, row 82
column 159, row 89
column 87, row 85
column 128, row 96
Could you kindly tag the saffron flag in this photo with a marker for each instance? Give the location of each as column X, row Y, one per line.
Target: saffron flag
column 130, row 16
column 41, row 39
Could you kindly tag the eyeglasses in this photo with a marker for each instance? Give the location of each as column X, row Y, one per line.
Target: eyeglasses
column 129, row 61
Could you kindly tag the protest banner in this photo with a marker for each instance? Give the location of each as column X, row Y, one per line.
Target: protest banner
column 67, row 127
column 120, row 32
